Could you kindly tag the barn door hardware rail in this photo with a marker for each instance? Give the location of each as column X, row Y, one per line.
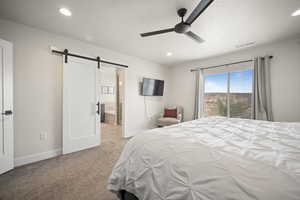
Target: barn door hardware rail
column 66, row 53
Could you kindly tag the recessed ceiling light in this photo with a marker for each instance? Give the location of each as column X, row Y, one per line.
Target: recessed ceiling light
column 169, row 53
column 65, row 12
column 296, row 13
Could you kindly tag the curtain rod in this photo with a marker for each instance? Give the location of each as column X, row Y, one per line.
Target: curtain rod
column 215, row 66
column 66, row 53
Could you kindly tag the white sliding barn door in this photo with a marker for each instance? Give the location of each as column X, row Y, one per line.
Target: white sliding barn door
column 81, row 122
column 6, row 107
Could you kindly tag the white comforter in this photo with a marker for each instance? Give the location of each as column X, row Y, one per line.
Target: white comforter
column 212, row 158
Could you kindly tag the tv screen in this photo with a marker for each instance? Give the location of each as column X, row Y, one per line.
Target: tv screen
column 152, row 87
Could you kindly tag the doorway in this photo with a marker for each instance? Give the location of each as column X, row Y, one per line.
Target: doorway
column 111, row 88
column 91, row 94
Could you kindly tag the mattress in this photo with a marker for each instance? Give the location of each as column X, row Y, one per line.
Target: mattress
column 212, row 158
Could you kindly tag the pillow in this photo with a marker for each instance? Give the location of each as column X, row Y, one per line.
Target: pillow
column 171, row 113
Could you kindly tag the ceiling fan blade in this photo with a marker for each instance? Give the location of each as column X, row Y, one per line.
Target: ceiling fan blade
column 198, row 10
column 195, row 37
column 157, row 32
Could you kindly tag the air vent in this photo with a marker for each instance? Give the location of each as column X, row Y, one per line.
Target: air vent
column 245, row 45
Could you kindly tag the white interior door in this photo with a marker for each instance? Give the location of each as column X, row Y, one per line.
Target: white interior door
column 6, row 107
column 81, row 122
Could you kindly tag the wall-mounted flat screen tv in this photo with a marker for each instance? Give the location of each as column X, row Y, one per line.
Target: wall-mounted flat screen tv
column 152, row 87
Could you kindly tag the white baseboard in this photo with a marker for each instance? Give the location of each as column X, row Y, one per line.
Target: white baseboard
column 24, row 160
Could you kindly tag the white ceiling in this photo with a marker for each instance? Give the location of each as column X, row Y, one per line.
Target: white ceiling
column 116, row 24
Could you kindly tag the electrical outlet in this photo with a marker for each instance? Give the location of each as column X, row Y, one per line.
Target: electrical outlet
column 43, row 136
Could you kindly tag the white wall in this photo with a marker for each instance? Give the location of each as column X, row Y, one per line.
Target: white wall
column 285, row 73
column 38, row 87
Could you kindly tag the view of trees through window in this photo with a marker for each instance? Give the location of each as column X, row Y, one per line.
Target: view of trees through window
column 228, row 94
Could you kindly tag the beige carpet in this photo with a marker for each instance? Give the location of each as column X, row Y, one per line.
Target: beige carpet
column 81, row 175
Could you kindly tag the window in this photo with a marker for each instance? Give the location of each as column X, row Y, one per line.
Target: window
column 215, row 94
column 228, row 93
column 240, row 93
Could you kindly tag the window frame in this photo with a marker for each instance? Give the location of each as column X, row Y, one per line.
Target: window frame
column 226, row 69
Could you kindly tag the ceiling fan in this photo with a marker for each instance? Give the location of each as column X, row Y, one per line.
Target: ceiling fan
column 184, row 26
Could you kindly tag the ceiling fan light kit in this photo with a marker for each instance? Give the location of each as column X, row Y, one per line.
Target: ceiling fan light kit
column 184, row 26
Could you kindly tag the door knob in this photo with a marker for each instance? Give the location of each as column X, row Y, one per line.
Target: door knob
column 7, row 112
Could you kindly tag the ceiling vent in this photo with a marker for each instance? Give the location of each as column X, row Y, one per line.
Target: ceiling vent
column 245, row 45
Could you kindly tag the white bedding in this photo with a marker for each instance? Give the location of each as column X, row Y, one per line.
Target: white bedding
column 213, row 158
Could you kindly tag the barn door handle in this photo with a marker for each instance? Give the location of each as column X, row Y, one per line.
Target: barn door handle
column 7, row 112
column 98, row 110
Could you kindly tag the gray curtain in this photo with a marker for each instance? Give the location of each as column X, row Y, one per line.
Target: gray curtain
column 262, row 104
column 198, row 105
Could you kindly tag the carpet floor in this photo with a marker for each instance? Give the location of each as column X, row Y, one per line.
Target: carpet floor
column 76, row 176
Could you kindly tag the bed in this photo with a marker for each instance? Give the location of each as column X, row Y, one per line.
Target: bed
column 213, row 158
